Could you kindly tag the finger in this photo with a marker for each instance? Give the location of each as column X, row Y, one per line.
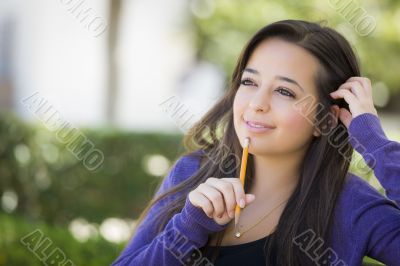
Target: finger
column 354, row 87
column 239, row 191
column 250, row 198
column 199, row 200
column 349, row 97
column 365, row 82
column 226, row 188
column 215, row 197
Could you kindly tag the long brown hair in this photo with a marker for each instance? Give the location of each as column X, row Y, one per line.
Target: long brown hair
column 324, row 168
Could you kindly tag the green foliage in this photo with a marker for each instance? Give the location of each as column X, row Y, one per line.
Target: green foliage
column 221, row 36
column 370, row 262
column 54, row 186
column 13, row 252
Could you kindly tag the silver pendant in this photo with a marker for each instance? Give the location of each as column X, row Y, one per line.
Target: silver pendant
column 237, row 234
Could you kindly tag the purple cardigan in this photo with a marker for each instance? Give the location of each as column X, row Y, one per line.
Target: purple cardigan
column 365, row 221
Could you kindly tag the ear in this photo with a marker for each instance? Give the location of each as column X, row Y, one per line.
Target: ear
column 335, row 111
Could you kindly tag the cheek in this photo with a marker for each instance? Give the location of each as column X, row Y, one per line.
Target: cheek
column 239, row 104
column 291, row 119
column 237, row 111
column 294, row 122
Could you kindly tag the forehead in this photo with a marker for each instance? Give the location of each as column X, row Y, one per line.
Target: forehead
column 278, row 57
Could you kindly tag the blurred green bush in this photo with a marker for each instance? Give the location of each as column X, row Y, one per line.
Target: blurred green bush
column 53, row 186
column 94, row 252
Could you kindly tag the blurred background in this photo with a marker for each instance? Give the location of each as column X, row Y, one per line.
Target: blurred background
column 96, row 95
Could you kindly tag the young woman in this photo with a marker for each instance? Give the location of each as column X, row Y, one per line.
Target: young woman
column 296, row 92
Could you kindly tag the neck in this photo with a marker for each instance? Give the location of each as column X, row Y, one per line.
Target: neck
column 275, row 177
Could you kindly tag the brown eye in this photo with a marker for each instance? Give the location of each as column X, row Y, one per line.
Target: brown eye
column 247, row 82
column 285, row 92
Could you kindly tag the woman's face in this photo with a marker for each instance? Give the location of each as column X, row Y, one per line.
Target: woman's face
column 277, row 75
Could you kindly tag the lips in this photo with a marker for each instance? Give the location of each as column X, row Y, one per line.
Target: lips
column 257, row 124
column 257, row 127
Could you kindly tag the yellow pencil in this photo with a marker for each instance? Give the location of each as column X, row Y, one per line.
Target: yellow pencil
column 242, row 174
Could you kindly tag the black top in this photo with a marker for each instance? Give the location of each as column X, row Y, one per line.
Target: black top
column 249, row 254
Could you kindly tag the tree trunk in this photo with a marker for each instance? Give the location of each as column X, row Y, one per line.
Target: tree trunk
column 112, row 86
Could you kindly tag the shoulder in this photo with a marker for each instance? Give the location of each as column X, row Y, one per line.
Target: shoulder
column 355, row 183
column 183, row 167
column 359, row 192
column 186, row 165
column 361, row 204
column 365, row 216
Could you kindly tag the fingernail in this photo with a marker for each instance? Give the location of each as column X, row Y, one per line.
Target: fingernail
column 241, row 203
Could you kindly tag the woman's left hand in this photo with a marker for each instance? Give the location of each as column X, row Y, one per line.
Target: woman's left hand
column 357, row 92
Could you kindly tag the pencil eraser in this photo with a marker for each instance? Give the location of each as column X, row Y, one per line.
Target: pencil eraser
column 246, row 142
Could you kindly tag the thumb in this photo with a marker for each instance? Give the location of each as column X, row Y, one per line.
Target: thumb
column 250, row 198
column 345, row 116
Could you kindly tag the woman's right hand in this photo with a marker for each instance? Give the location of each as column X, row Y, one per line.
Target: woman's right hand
column 218, row 198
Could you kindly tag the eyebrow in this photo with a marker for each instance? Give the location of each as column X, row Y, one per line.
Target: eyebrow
column 278, row 77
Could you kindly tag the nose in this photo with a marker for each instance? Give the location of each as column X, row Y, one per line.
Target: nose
column 256, row 107
column 260, row 102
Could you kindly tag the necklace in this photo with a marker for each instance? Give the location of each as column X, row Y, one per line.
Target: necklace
column 239, row 234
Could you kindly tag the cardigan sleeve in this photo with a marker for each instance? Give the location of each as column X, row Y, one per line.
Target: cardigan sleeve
column 185, row 232
column 375, row 219
column 381, row 154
